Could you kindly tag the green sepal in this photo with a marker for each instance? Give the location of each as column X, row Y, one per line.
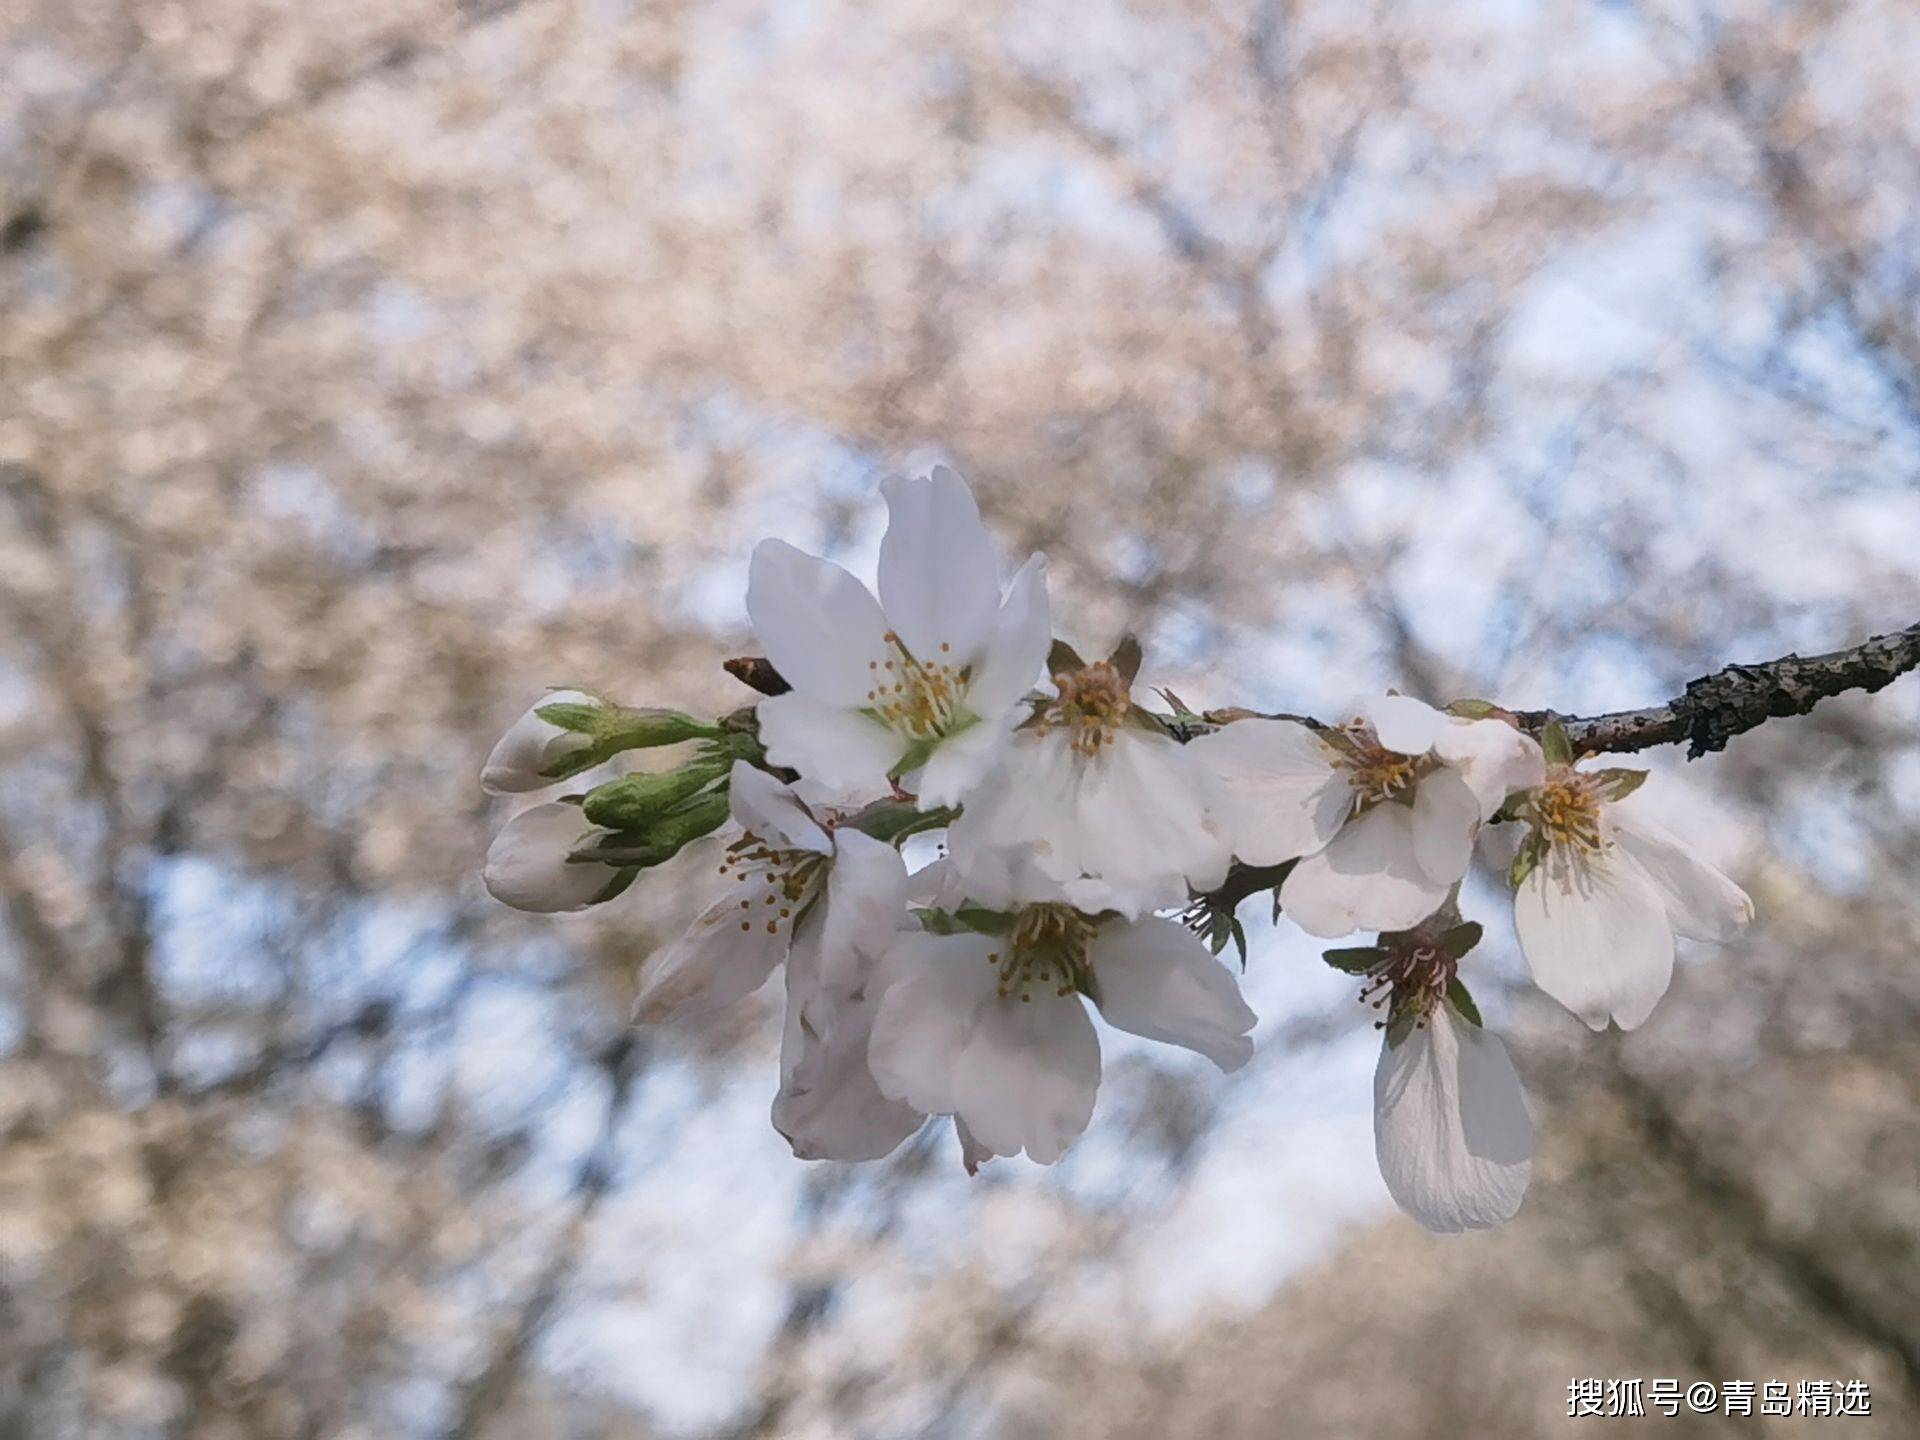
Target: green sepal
column 663, row 836
column 894, row 820
column 1398, row 1028
column 1461, row 938
column 1621, row 783
column 1524, row 863
column 938, row 922
column 1355, row 959
column 1126, row 658
column 1463, row 1005
column 1472, row 709
column 1554, row 742
column 983, row 921
column 917, row 754
column 633, row 801
column 615, row 728
column 1063, row 658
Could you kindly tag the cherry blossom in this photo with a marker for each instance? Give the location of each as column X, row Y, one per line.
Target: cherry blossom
column 529, row 864
column 917, row 684
column 1450, row 1123
column 1095, row 802
column 1601, row 890
column 533, row 747
column 1381, row 812
column 993, row 1029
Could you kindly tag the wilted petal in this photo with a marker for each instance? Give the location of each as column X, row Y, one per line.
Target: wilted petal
column 1277, row 790
column 829, row 1107
column 1021, row 1075
column 1016, row 646
column 532, row 745
column 1405, row 724
column 838, row 752
column 1596, row 936
column 1450, row 1126
column 820, row 627
column 768, row 808
column 527, row 865
column 939, row 577
column 1368, row 878
column 1155, row 978
column 1446, row 817
column 1495, row 759
column 1702, row 903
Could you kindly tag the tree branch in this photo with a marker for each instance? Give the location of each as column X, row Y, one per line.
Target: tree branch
column 1708, row 713
column 1715, row 708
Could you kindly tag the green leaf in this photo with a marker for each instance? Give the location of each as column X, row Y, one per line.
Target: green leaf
column 1621, row 783
column 1462, row 1002
column 1472, row 709
column 1126, row 658
column 1063, row 658
column 1554, row 741
column 1355, row 960
column 1240, row 939
column 1461, row 938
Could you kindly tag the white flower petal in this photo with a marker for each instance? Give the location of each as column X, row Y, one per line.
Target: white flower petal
column 1403, row 723
column 768, row 808
column 1368, row 878
column 1596, row 936
column 1495, row 759
column 1141, row 824
column 1446, row 817
column 939, row 577
column 820, row 627
column 1277, row 791
column 838, row 752
column 724, row 956
column 527, row 865
column 1016, row 646
column 1450, row 1126
column 1155, row 978
column 828, row 1106
column 1702, row 903
column 532, row 745
column 960, row 763
column 865, row 906
column 1023, row 1076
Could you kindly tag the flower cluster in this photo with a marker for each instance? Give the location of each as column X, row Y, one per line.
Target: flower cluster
column 1074, row 818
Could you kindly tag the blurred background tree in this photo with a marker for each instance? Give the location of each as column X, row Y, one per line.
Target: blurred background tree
column 367, row 367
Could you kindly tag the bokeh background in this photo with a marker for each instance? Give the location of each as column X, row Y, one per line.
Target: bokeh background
column 367, row 367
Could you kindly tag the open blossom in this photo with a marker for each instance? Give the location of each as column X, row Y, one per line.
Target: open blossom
column 922, row 680
column 1093, row 803
column 532, row 747
column 1381, row 812
column 528, row 864
column 993, row 1028
column 1450, row 1123
column 1602, row 891
column 826, row 901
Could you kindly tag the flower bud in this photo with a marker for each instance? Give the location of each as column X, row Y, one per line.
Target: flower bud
column 632, row 801
column 528, row 865
column 570, row 731
column 659, row 838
